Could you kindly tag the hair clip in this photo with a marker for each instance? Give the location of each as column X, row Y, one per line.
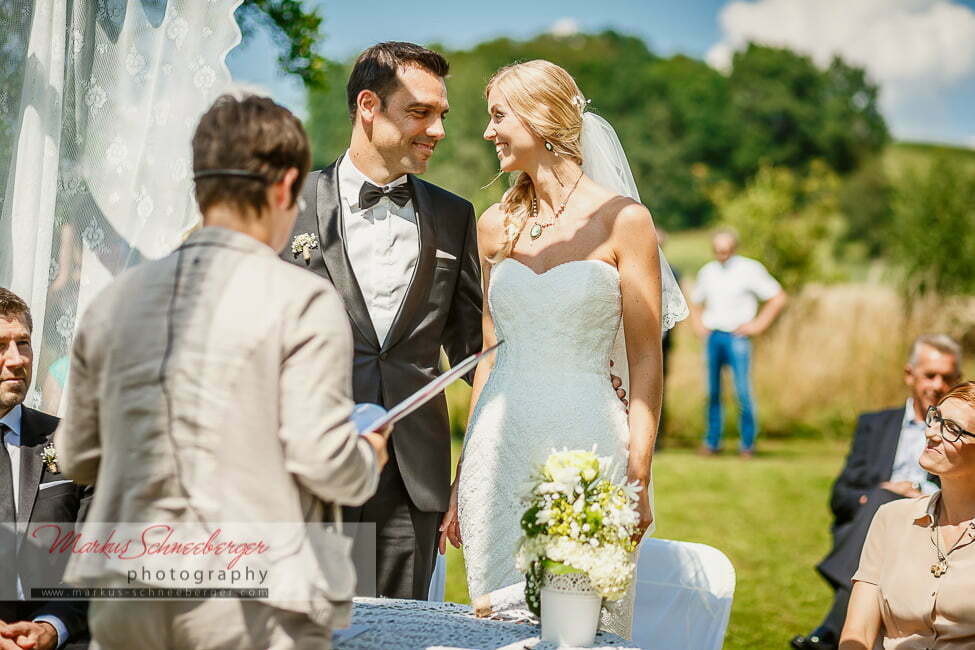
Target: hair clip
column 581, row 102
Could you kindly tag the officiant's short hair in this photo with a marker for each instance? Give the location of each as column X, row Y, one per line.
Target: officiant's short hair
column 247, row 134
column 376, row 68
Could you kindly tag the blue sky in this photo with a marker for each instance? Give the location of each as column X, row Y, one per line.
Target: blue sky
column 925, row 97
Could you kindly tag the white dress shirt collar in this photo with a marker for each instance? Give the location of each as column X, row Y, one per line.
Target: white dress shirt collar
column 351, row 179
column 910, row 417
column 13, row 420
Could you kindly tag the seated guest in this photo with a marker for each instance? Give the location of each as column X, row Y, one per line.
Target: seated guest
column 215, row 385
column 917, row 574
column 882, row 466
column 31, row 491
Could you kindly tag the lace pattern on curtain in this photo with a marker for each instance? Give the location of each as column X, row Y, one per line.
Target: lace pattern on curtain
column 104, row 96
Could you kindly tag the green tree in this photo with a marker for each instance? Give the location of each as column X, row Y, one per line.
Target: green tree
column 789, row 221
column 789, row 112
column 295, row 28
column 932, row 234
column 865, row 201
column 686, row 127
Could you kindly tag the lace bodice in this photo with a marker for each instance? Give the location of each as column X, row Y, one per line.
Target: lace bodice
column 560, row 321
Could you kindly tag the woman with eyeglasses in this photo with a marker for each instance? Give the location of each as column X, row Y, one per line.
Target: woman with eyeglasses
column 915, row 584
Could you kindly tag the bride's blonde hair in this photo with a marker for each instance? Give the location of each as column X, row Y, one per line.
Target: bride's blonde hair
column 549, row 103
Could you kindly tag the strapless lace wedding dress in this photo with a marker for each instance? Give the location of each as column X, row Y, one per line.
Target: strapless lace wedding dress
column 549, row 389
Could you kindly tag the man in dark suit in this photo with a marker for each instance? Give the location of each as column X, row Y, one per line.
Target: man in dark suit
column 403, row 255
column 31, row 491
column 882, row 466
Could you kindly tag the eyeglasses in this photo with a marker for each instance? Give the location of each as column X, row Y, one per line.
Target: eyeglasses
column 950, row 430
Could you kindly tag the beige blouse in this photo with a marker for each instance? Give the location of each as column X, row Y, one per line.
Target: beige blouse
column 919, row 610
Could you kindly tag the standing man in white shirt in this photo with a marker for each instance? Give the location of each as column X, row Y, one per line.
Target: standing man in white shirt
column 725, row 313
column 403, row 255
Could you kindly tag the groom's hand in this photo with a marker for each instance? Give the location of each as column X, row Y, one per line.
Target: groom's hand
column 618, row 386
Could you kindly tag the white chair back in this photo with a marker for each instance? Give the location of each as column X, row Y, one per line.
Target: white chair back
column 683, row 595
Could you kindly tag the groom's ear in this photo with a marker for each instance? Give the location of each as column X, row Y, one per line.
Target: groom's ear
column 368, row 104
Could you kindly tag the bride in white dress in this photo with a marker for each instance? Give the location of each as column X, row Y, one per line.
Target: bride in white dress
column 565, row 260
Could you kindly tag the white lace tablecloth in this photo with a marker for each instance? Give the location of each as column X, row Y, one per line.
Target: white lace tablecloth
column 422, row 625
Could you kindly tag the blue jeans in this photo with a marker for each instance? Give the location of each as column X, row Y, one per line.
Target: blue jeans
column 724, row 348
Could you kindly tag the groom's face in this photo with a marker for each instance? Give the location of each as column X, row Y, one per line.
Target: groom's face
column 406, row 130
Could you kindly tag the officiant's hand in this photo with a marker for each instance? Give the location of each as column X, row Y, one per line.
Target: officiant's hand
column 450, row 526
column 618, row 386
column 377, row 439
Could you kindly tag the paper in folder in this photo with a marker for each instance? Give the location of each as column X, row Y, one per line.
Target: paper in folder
column 372, row 417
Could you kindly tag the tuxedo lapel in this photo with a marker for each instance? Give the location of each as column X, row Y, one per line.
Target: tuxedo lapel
column 31, row 467
column 331, row 229
column 419, row 288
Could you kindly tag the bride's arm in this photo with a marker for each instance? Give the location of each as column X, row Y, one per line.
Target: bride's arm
column 489, row 227
column 638, row 261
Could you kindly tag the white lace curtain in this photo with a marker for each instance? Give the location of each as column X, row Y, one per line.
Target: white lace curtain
column 98, row 103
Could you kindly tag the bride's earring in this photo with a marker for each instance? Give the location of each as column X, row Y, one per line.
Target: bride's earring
column 548, row 145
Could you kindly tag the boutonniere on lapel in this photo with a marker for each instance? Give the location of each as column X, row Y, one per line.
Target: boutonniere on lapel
column 303, row 245
column 50, row 457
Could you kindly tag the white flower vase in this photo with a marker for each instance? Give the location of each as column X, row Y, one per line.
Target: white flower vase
column 570, row 609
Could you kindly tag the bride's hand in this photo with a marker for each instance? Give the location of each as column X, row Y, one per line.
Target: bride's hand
column 450, row 526
column 646, row 515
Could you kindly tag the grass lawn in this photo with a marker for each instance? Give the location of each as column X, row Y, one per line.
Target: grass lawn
column 768, row 515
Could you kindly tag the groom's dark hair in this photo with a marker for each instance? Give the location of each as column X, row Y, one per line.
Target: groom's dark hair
column 375, row 69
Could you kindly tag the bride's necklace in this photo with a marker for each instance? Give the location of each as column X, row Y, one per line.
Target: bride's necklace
column 538, row 228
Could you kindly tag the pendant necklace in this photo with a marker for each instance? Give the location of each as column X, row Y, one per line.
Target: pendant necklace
column 538, row 228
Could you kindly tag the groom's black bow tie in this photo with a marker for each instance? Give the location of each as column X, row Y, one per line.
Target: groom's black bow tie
column 369, row 195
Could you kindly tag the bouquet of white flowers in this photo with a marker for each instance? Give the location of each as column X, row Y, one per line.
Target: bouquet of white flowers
column 578, row 520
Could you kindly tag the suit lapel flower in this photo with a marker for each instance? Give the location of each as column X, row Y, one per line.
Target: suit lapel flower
column 50, row 457
column 303, row 245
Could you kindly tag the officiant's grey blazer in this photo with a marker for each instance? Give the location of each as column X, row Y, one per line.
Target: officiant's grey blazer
column 442, row 308
column 213, row 385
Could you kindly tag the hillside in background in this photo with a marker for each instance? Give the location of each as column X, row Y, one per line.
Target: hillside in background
column 688, row 129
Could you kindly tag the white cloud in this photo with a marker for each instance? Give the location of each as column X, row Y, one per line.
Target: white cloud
column 564, row 27
column 908, row 46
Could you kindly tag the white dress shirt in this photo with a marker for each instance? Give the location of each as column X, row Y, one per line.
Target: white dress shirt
column 11, row 440
column 383, row 244
column 730, row 292
column 910, row 446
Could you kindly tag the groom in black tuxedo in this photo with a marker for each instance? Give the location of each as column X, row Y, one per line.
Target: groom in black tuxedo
column 403, row 255
column 32, row 491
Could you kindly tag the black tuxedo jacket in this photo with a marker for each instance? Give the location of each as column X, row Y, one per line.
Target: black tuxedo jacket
column 442, row 308
column 61, row 503
column 870, row 462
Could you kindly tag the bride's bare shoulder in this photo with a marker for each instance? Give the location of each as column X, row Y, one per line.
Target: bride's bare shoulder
column 490, row 230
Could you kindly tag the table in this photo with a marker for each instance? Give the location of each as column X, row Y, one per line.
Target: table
column 381, row 623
